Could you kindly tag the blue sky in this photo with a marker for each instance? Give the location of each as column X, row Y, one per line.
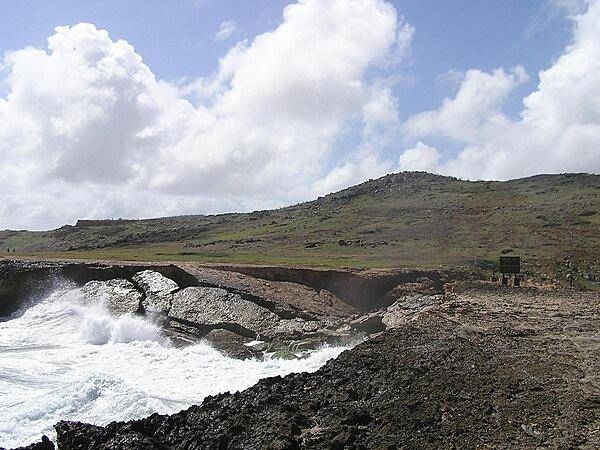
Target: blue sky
column 175, row 38
column 219, row 106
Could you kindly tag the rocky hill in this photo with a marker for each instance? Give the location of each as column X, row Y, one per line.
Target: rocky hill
column 410, row 219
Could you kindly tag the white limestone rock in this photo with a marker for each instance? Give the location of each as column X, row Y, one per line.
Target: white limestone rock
column 118, row 295
column 208, row 306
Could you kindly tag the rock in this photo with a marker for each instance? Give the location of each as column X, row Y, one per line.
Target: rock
column 209, row 308
column 310, row 343
column 284, row 354
column 155, row 283
column 451, row 378
column 44, row 444
column 158, row 290
column 155, row 305
column 423, row 286
column 407, row 308
column 118, row 295
column 371, row 323
column 232, row 344
column 294, row 327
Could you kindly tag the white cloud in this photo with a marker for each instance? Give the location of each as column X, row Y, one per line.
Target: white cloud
column 226, row 30
column 559, row 128
column 359, row 167
column 86, row 129
column 420, row 157
column 477, row 102
column 550, row 10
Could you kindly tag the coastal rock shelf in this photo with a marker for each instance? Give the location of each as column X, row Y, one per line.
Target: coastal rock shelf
column 483, row 366
column 287, row 310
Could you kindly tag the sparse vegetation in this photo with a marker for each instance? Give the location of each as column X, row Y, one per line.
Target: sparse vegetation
column 406, row 219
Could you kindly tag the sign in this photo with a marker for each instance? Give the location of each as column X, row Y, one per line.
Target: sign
column 510, row 264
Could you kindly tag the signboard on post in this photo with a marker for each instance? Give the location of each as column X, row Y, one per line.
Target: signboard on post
column 510, row 264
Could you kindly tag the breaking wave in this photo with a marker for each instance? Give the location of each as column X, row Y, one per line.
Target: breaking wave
column 61, row 360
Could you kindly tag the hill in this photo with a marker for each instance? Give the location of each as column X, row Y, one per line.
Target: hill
column 411, row 219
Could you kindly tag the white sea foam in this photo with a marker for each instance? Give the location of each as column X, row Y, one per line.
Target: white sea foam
column 61, row 360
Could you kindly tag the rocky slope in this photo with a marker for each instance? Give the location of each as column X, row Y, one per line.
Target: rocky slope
column 482, row 367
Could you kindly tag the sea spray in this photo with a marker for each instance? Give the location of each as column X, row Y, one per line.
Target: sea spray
column 61, row 360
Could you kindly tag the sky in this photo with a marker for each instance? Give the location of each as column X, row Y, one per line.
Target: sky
column 146, row 108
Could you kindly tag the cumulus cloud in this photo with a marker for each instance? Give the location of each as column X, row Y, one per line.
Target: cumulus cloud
column 421, row 157
column 552, row 9
column 477, row 102
column 87, row 130
column 226, row 30
column 559, row 126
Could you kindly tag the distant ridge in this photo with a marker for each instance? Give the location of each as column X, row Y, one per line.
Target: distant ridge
column 401, row 219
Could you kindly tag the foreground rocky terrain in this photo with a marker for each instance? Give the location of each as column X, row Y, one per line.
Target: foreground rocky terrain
column 474, row 366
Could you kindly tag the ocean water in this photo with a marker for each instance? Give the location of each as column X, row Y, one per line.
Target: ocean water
column 61, row 360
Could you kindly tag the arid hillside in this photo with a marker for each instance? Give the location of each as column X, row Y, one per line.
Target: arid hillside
column 410, row 219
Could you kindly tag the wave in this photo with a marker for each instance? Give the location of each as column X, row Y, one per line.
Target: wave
column 62, row 360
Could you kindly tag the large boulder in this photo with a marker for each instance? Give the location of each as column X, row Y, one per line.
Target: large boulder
column 232, row 344
column 153, row 282
column 118, row 295
column 209, row 308
column 369, row 324
column 158, row 290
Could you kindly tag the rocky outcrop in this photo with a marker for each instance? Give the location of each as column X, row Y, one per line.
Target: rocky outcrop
column 44, row 444
column 482, row 369
column 403, row 310
column 364, row 290
column 118, row 295
column 208, row 308
column 408, row 308
column 288, row 299
column 24, row 282
column 194, row 302
column 157, row 291
column 232, row 344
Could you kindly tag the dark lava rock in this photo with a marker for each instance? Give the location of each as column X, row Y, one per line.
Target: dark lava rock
column 44, row 444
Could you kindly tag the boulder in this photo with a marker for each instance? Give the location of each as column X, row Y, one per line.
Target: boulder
column 44, row 444
column 155, row 305
column 152, row 282
column 118, row 295
column 209, row 308
column 369, row 324
column 158, row 290
column 407, row 308
column 293, row 328
column 284, row 354
column 232, row 344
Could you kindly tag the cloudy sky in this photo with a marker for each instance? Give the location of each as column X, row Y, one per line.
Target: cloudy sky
column 152, row 108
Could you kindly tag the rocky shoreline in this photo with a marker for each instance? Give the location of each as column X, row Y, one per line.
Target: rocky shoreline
column 472, row 366
column 285, row 311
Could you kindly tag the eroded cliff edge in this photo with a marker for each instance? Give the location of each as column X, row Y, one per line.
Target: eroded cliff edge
column 289, row 309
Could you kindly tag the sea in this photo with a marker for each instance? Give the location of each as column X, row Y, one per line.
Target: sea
column 61, row 359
